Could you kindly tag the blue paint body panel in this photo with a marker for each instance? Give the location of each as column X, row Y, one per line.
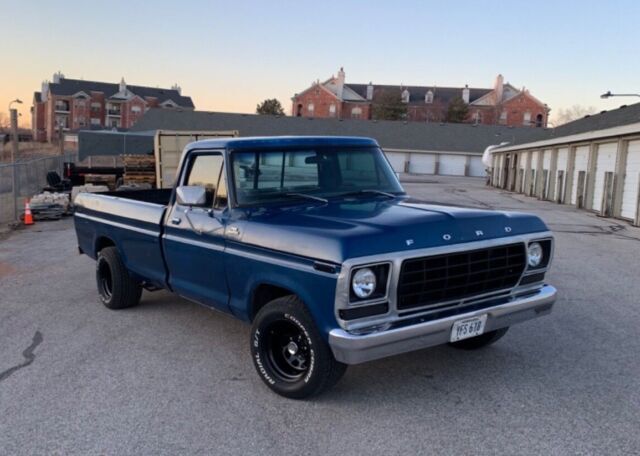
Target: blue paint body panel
column 277, row 245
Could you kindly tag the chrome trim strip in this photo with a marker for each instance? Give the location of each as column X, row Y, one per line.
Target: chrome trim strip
column 358, row 348
column 183, row 240
column 124, row 207
column 117, row 224
column 396, row 259
column 278, row 261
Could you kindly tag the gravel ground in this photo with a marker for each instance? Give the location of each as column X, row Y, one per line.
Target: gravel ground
column 171, row 377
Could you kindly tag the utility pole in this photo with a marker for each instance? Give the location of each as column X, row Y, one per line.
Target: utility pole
column 14, row 156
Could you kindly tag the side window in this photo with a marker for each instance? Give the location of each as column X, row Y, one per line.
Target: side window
column 204, row 171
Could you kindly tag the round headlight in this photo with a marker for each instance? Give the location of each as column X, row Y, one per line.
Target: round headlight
column 363, row 283
column 534, row 254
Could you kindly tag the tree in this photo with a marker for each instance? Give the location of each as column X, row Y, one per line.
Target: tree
column 458, row 111
column 389, row 106
column 575, row 112
column 270, row 107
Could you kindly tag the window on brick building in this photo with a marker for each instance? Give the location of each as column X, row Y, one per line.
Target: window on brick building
column 406, row 96
column 95, row 121
column 539, row 120
column 477, row 117
column 526, row 119
column 310, row 108
column 332, row 110
column 299, row 110
column 428, row 98
column 356, row 113
column 503, row 116
column 136, row 109
column 95, row 107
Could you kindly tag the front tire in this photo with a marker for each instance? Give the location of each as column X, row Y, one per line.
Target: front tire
column 480, row 341
column 289, row 353
column 116, row 288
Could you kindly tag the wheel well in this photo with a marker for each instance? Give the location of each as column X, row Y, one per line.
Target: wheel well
column 264, row 294
column 103, row 242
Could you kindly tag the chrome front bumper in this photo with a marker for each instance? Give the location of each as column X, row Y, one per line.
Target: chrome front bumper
column 352, row 348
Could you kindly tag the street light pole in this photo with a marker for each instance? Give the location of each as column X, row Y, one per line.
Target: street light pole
column 13, row 114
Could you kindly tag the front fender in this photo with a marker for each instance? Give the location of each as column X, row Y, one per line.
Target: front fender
column 249, row 267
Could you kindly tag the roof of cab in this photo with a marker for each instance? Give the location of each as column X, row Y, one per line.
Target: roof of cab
column 281, row 141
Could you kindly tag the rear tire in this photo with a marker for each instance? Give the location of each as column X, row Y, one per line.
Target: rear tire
column 288, row 352
column 116, row 288
column 480, row 341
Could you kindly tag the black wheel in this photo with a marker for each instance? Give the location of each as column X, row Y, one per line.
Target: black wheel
column 288, row 352
column 116, row 288
column 483, row 340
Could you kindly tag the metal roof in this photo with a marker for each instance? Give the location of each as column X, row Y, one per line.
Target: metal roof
column 573, row 131
column 392, row 135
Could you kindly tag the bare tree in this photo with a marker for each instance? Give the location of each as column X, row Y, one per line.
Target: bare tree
column 4, row 120
column 575, row 112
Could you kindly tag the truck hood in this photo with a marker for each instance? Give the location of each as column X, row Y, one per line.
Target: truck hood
column 338, row 231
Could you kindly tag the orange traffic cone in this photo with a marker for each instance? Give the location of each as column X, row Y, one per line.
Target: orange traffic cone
column 28, row 217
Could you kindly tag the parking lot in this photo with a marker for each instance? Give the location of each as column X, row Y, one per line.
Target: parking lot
column 172, row 377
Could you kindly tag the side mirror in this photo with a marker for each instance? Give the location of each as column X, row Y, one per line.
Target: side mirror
column 191, row 195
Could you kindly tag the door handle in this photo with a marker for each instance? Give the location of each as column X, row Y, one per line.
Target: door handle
column 176, row 221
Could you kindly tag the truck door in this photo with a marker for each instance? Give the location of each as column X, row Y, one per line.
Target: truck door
column 194, row 243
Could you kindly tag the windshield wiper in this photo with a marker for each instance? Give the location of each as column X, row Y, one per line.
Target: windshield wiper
column 304, row 195
column 367, row 190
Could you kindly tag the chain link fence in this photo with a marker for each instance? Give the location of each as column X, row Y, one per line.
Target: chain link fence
column 30, row 177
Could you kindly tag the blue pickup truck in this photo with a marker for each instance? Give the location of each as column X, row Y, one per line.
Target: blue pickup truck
column 314, row 242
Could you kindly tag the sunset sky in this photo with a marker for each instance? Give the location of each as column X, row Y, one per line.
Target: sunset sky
column 228, row 56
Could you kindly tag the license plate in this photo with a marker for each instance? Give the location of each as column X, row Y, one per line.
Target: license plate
column 470, row 327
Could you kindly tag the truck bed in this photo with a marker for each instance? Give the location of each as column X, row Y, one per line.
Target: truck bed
column 131, row 220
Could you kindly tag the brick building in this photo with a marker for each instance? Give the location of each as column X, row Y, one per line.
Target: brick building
column 75, row 104
column 502, row 104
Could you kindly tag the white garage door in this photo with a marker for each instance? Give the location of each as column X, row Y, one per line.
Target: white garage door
column 452, row 165
column 422, row 163
column 397, row 161
column 546, row 166
column 476, row 167
column 534, row 175
column 631, row 180
column 580, row 164
column 563, row 156
column 605, row 162
column 522, row 165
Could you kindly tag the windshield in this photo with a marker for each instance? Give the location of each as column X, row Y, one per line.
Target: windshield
column 270, row 176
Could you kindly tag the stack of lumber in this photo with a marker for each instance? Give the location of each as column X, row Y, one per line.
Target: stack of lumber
column 101, row 179
column 139, row 169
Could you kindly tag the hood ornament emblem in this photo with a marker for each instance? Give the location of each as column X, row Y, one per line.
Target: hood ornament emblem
column 409, row 241
column 479, row 233
column 507, row 229
column 446, row 237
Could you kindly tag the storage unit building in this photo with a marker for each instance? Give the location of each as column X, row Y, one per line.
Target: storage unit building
column 591, row 163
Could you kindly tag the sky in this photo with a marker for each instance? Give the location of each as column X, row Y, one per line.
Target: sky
column 230, row 55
